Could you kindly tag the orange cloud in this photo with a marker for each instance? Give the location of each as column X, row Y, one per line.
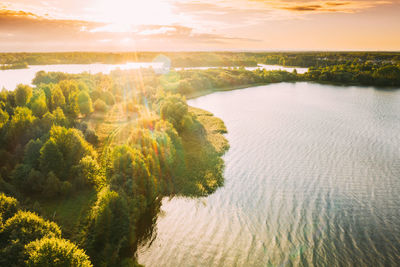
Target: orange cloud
column 19, row 29
column 325, row 6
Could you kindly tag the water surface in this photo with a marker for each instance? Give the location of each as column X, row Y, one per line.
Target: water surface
column 312, row 178
column 9, row 79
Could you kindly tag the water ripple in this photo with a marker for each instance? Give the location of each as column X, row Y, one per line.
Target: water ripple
column 312, row 179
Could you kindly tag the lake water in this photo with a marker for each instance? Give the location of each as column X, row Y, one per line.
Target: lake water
column 312, row 178
column 9, row 79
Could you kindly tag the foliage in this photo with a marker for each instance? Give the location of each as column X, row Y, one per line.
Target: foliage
column 3, row 117
column 57, row 98
column 109, row 230
column 22, row 125
column 100, row 105
column 55, row 252
column 19, row 230
column 174, row 109
column 364, row 74
column 8, row 206
column 85, row 103
column 39, row 106
column 23, row 94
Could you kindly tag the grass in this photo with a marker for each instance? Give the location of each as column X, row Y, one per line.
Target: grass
column 203, row 149
column 215, row 128
column 70, row 211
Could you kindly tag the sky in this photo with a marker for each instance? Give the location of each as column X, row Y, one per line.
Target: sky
column 209, row 25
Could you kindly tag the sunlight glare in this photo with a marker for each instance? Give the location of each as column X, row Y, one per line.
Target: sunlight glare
column 122, row 13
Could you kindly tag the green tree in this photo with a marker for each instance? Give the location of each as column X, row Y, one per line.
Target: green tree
column 108, row 98
column 23, row 94
column 99, row 105
column 19, row 230
column 51, row 158
column 55, row 252
column 110, row 229
column 52, row 186
column 21, row 125
column 35, row 182
column 39, row 106
column 174, row 109
column 56, row 117
column 71, row 144
column 85, row 103
column 3, row 117
column 57, row 98
column 8, row 206
column 89, row 171
column 32, row 153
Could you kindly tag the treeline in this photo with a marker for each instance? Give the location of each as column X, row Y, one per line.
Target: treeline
column 363, row 74
column 17, row 65
column 176, row 59
column 49, row 150
column 195, row 82
column 204, row 59
column 323, row 59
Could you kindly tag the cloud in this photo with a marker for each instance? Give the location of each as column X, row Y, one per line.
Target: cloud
column 178, row 32
column 30, row 24
column 248, row 10
column 19, row 30
column 307, row 6
column 326, row 6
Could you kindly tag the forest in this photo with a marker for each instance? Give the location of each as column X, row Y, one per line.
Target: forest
column 178, row 59
column 86, row 158
column 203, row 59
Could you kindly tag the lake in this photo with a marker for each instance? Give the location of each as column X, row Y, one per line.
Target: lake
column 9, row 79
column 312, row 178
